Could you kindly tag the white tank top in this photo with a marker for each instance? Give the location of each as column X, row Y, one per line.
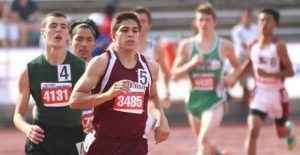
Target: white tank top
column 268, row 60
column 149, row 52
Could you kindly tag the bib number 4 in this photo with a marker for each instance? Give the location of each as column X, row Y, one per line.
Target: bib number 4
column 64, row 72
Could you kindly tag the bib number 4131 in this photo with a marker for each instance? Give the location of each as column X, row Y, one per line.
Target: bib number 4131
column 56, row 94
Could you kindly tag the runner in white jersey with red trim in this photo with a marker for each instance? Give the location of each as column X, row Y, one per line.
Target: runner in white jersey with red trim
column 271, row 65
column 152, row 50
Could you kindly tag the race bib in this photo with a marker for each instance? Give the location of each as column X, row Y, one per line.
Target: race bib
column 87, row 118
column 203, row 81
column 56, row 94
column 143, row 77
column 89, row 139
column 268, row 81
column 64, row 72
column 132, row 102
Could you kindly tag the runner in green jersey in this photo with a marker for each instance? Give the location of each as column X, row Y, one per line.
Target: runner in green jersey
column 201, row 58
column 50, row 78
column 206, row 80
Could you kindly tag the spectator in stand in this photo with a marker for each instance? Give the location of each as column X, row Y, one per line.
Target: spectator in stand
column 109, row 11
column 9, row 30
column 28, row 17
column 102, row 40
column 241, row 34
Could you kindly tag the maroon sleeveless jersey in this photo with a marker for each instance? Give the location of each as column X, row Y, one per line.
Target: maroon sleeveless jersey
column 123, row 117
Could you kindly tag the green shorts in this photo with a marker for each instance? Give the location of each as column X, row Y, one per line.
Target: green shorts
column 199, row 102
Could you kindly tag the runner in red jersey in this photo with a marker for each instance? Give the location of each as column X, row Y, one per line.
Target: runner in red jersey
column 124, row 81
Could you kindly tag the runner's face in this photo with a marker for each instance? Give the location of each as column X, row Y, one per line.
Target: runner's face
column 83, row 43
column 246, row 18
column 144, row 22
column 204, row 22
column 266, row 24
column 56, row 31
column 127, row 36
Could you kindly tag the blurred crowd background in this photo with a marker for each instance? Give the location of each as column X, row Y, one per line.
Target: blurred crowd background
column 172, row 19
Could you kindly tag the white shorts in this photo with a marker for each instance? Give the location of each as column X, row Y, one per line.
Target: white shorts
column 9, row 31
column 273, row 102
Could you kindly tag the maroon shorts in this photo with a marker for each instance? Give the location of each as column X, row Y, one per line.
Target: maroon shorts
column 138, row 146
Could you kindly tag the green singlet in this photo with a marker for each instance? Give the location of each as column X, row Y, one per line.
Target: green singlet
column 51, row 87
column 207, row 87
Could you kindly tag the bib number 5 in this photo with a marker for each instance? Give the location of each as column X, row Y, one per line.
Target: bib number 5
column 142, row 77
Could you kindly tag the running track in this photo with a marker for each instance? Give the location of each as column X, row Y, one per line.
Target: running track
column 181, row 142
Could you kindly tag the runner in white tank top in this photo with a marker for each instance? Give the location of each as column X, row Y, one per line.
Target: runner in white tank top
column 267, row 97
column 271, row 65
column 268, row 60
column 152, row 50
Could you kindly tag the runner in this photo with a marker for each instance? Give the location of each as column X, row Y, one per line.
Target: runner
column 50, row 78
column 83, row 35
column 152, row 50
column 201, row 57
column 242, row 34
column 124, row 81
column 271, row 65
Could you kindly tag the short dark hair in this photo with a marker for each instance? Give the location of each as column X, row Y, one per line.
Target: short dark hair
column 84, row 23
column 110, row 9
column 207, row 8
column 120, row 17
column 248, row 10
column 140, row 10
column 53, row 14
column 272, row 12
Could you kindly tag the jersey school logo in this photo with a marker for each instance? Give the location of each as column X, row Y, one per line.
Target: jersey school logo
column 132, row 102
column 56, row 94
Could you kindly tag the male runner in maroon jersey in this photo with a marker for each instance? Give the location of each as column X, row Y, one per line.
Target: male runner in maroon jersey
column 124, row 82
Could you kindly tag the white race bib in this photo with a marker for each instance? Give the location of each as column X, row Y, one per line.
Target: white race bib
column 203, row 81
column 56, row 94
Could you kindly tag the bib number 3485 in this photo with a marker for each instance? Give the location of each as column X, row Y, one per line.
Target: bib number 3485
column 131, row 103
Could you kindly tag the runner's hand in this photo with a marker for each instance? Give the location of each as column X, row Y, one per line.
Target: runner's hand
column 161, row 130
column 262, row 73
column 230, row 80
column 197, row 59
column 120, row 87
column 35, row 134
column 166, row 101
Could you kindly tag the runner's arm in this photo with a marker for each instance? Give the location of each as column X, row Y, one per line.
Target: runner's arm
column 244, row 68
column 229, row 53
column 161, row 128
column 82, row 97
column 33, row 132
column 182, row 65
column 159, row 57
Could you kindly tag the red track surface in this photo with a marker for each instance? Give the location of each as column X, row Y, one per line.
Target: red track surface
column 181, row 142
